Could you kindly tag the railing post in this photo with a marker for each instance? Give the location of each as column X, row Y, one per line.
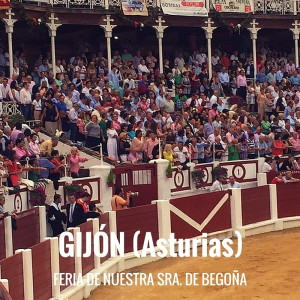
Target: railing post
column 8, row 237
column 261, row 179
column 54, row 253
column 27, row 273
column 274, row 208
column 295, row 7
column 236, row 210
column 113, row 226
column 78, row 260
column 97, row 262
column 42, row 222
column 106, row 4
column 164, row 218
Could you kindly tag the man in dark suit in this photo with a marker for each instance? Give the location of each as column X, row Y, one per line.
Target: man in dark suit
column 56, row 216
column 75, row 213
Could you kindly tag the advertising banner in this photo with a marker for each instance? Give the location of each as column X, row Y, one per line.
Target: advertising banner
column 184, row 8
column 134, row 8
column 234, row 6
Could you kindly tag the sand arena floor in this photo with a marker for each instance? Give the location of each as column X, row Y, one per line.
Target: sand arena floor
column 271, row 263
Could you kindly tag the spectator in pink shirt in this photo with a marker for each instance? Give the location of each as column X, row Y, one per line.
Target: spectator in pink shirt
column 149, row 145
column 241, row 83
column 20, row 149
column 213, row 112
column 74, row 160
column 295, row 141
column 17, row 132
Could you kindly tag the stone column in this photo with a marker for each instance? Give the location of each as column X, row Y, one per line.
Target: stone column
column 9, row 28
column 208, row 33
column 52, row 32
column 160, row 35
column 296, row 31
column 253, row 33
column 108, row 27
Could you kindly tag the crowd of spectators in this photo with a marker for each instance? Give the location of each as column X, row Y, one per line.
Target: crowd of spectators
column 134, row 106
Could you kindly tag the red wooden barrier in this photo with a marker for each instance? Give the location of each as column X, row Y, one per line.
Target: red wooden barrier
column 41, row 270
column 255, row 205
column 288, row 203
column 87, row 262
column 198, row 207
column 105, row 220
column 66, row 265
column 28, row 232
column 12, row 270
column 143, row 218
column 2, row 239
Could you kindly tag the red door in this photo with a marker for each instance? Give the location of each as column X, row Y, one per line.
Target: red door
column 141, row 179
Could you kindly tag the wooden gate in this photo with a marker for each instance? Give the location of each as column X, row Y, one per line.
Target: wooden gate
column 138, row 178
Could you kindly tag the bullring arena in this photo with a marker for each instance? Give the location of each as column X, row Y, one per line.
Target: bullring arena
column 264, row 214
column 270, row 262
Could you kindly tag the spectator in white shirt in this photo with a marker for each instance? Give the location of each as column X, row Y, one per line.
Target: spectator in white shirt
column 218, row 185
column 25, row 100
column 5, row 91
column 142, row 68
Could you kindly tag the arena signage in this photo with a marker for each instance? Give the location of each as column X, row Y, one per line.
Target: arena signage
column 134, row 8
column 184, row 8
column 236, row 6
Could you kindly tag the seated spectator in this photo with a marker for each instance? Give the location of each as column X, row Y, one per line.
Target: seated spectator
column 232, row 184
column 296, row 164
column 288, row 177
column 218, row 185
column 288, row 164
column 34, row 147
column 277, row 178
column 20, row 149
column 3, row 213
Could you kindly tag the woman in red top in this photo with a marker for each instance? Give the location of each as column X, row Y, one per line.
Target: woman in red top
column 225, row 60
column 59, row 166
column 14, row 170
column 277, row 146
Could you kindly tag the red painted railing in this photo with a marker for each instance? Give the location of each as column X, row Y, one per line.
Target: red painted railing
column 28, row 231
column 198, row 207
column 41, row 269
column 255, row 205
column 87, row 262
column 12, row 270
column 143, row 218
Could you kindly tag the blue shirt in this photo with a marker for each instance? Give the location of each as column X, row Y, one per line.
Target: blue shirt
column 61, row 106
column 261, row 77
column 224, row 77
column 279, row 76
column 45, row 163
column 114, row 78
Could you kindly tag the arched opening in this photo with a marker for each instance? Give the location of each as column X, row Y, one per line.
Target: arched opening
column 3, row 36
column 229, row 40
column 32, row 39
column 276, row 40
column 73, row 39
column 133, row 39
column 184, row 40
